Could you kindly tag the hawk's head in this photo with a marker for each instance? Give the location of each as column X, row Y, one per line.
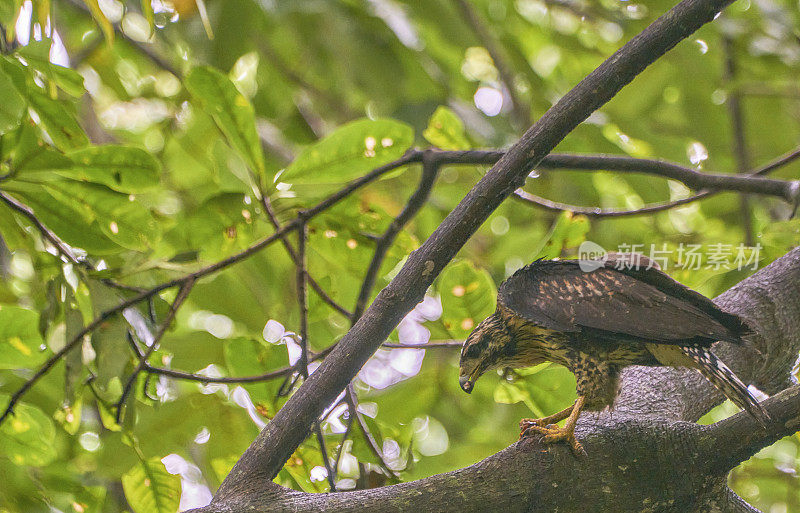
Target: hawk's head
column 487, row 347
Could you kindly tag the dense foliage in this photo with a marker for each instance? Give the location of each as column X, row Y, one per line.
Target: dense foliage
column 141, row 143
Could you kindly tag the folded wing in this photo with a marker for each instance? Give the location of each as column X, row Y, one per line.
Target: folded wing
column 641, row 304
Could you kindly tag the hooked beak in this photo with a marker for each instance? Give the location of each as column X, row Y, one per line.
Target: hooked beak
column 466, row 384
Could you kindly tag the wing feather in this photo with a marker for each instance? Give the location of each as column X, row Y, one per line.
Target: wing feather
column 558, row 295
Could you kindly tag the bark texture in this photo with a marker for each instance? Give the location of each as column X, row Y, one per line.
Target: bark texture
column 647, row 456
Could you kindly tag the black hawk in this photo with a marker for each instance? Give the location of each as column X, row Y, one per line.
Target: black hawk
column 595, row 318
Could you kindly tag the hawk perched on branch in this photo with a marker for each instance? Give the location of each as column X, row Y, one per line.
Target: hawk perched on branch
column 596, row 317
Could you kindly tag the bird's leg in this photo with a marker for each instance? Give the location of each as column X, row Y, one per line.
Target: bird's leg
column 567, row 433
column 524, row 424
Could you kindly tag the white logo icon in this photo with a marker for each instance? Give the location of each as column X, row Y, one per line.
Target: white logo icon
column 591, row 256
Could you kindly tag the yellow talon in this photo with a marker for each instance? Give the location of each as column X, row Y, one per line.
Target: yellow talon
column 553, row 433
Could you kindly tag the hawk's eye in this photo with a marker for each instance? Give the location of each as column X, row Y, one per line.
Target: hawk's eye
column 472, row 351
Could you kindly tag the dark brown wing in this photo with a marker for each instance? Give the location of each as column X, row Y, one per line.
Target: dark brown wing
column 645, row 304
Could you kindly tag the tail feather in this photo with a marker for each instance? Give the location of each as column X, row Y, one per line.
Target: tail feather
column 722, row 377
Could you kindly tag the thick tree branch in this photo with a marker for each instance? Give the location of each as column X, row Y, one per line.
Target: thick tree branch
column 630, row 451
column 267, row 454
column 716, row 183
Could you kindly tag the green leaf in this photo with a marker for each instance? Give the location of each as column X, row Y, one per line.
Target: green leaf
column 32, row 155
column 149, row 488
column 109, row 339
column 53, row 117
column 468, row 296
column 122, row 168
column 105, row 404
column 121, row 219
column 27, row 437
column 37, row 55
column 567, row 232
column 232, row 113
column 89, row 215
column 350, row 151
column 446, row 130
column 511, row 393
column 19, row 338
column 223, row 466
column 74, row 370
column 8, row 13
column 73, row 225
column 12, row 104
column 69, row 415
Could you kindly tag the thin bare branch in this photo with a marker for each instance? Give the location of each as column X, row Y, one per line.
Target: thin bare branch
column 283, row 371
column 64, row 250
column 598, row 212
column 520, row 108
column 183, row 293
column 352, row 402
column 302, row 364
column 430, row 168
column 410, row 156
column 739, row 138
column 273, row 219
column 453, row 344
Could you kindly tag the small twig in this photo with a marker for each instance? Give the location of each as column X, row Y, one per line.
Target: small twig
column 273, row 219
column 352, row 401
column 48, row 234
column 739, row 139
column 283, row 371
column 147, row 51
column 302, row 294
column 134, row 346
column 597, row 212
column 429, row 345
column 520, row 108
column 430, row 168
column 302, row 301
column 183, row 293
column 188, row 376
